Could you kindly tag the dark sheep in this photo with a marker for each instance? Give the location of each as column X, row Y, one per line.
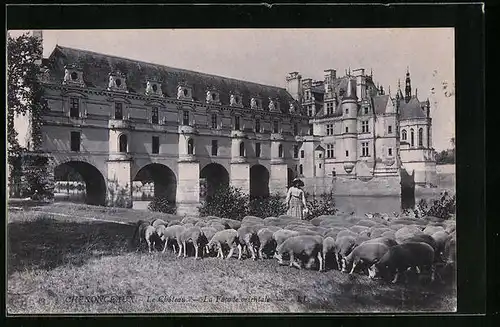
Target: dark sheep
column 247, row 236
column 402, row 257
column 329, row 250
column 424, row 238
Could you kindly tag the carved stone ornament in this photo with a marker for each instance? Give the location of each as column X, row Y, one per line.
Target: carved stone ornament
column 149, row 88
column 112, row 82
column 272, row 107
column 179, row 92
column 232, row 100
column 291, row 108
column 253, row 103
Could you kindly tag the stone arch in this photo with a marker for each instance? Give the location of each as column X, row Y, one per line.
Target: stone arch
column 259, row 181
column 412, row 137
column 404, row 136
column 163, row 179
column 123, row 143
column 77, row 170
column 212, row 176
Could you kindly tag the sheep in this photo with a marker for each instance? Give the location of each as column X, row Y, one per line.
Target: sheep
column 248, row 238
column 200, row 224
column 156, row 222
column 167, row 234
column 252, row 219
column 384, row 240
column 329, row 250
column 281, row 235
column 402, row 257
column 140, row 228
column 231, row 223
column 366, row 223
column 406, row 232
column 274, row 228
column 377, row 232
column 389, row 234
column 366, row 253
column 217, row 226
column 227, row 237
column 192, row 220
column 303, row 245
column 347, row 232
column 344, row 246
column 441, row 238
column 173, row 223
column 209, row 232
column 192, row 235
column 266, row 241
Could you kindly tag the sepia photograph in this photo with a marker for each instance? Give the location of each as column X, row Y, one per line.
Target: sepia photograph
column 270, row 170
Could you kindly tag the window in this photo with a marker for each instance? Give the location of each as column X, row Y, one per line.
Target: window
column 280, row 151
column 310, row 110
column 242, row 149
column 403, row 135
column 214, row 120
column 319, row 166
column 190, row 146
column 295, row 129
column 237, row 123
column 329, row 129
column 366, row 110
column 320, row 155
column 295, row 151
column 389, row 151
column 118, row 110
column 301, row 169
column 412, row 137
column 74, row 110
column 275, row 126
column 185, row 117
column 329, row 108
column 347, row 111
column 154, row 116
column 257, row 150
column 155, row 144
column 389, row 129
column 257, row 125
column 302, row 153
column 364, row 149
column 311, row 129
column 347, row 153
column 296, row 168
column 75, row 141
column 330, row 151
column 420, row 137
column 347, row 129
column 123, row 143
column 74, row 76
column 215, row 147
column 364, row 126
column 334, row 173
column 185, row 92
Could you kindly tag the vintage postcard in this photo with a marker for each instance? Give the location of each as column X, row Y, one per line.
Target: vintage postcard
column 231, row 171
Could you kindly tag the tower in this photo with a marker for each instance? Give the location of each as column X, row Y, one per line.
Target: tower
column 407, row 86
column 349, row 126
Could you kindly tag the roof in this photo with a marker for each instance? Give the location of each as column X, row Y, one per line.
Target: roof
column 97, row 66
column 412, row 109
column 379, row 103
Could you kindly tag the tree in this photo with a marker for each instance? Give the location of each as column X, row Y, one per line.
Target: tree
column 25, row 97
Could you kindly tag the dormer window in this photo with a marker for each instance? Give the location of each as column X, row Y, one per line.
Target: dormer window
column 153, row 87
column 212, row 96
column 235, row 100
column 73, row 75
column 184, row 92
column 117, row 82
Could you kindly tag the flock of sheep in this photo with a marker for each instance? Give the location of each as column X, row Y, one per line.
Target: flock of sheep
column 383, row 247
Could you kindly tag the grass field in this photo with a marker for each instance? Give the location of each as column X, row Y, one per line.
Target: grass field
column 60, row 261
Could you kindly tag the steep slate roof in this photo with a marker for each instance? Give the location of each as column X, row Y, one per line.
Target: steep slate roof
column 379, row 103
column 97, row 66
column 412, row 109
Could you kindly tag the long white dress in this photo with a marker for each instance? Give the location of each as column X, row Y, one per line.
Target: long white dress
column 296, row 201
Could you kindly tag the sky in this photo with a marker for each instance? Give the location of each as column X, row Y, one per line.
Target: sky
column 267, row 55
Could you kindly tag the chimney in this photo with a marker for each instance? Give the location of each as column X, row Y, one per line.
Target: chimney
column 330, row 75
column 360, row 82
column 39, row 35
column 294, row 85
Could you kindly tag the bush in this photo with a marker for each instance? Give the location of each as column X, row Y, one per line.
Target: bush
column 226, row 202
column 272, row 206
column 322, row 204
column 160, row 203
column 443, row 207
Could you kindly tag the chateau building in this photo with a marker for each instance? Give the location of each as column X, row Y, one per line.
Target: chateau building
column 118, row 121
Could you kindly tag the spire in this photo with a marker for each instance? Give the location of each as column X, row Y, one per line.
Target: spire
column 389, row 89
column 399, row 93
column 349, row 70
column 371, row 72
column 407, row 85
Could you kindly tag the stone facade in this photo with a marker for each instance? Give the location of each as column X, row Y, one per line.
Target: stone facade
column 118, row 121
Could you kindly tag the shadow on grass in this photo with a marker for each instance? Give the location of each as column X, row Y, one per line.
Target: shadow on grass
column 46, row 243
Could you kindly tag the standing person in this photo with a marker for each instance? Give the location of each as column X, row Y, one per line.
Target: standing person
column 296, row 200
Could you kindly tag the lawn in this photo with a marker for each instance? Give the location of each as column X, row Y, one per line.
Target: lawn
column 70, row 264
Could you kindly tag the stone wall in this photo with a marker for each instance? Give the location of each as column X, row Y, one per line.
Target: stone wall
column 358, row 187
